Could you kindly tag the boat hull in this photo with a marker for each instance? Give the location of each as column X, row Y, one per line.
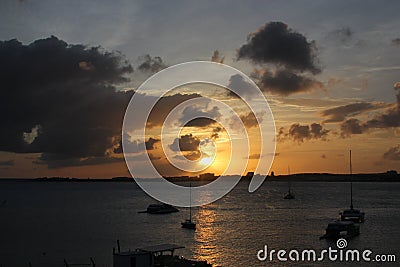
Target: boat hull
column 188, row 225
column 341, row 229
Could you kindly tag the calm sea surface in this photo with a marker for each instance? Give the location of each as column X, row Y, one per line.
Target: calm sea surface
column 47, row 222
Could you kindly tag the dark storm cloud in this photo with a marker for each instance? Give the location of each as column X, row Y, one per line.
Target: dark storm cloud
column 396, row 41
column 7, row 163
column 217, row 57
column 282, row 81
column 151, row 64
column 186, row 142
column 278, row 44
column 74, row 106
column 290, row 52
column 339, row 114
column 301, row 133
column 203, row 117
column 59, row 100
column 392, row 153
column 285, row 82
column 164, row 106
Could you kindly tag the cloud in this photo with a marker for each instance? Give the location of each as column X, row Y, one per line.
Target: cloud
column 60, row 99
column 392, row 153
column 142, row 157
column 254, row 156
column 164, row 107
column 151, row 64
column 7, row 163
column 389, row 118
column 49, row 104
column 351, row 126
column 238, row 84
column 281, row 81
column 55, row 161
column 301, row 133
column 136, row 146
column 215, row 133
column 193, row 155
column 340, row 113
column 186, row 142
column 291, row 54
column 204, row 117
column 249, row 120
column 84, row 65
column 285, row 82
column 217, row 57
column 396, row 41
column 276, row 43
column 150, row 143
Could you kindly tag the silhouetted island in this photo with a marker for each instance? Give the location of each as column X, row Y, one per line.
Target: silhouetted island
column 389, row 176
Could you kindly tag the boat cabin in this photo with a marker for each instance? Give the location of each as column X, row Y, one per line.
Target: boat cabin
column 352, row 215
column 144, row 257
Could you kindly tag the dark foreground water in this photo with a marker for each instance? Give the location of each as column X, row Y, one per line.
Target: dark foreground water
column 47, row 222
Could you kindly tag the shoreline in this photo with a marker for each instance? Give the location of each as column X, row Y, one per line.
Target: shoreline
column 300, row 177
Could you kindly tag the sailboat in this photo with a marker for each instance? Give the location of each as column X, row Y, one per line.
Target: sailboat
column 188, row 223
column 289, row 194
column 352, row 214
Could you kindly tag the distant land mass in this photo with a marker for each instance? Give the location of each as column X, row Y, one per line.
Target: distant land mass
column 389, row 176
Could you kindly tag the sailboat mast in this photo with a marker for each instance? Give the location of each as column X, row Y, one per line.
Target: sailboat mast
column 289, row 182
column 351, row 183
column 190, row 207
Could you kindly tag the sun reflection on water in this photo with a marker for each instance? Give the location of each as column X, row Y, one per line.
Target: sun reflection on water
column 205, row 247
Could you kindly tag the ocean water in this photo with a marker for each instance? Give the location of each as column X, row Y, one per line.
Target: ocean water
column 46, row 222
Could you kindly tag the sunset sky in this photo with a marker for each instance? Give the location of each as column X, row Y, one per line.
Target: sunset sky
column 330, row 71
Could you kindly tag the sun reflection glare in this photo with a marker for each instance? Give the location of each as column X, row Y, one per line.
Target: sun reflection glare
column 205, row 246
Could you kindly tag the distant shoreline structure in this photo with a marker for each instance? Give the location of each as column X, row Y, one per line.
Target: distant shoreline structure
column 389, row 176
